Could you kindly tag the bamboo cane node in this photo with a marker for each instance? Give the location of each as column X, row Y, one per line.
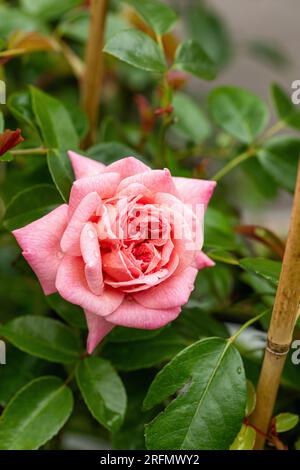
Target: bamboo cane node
column 277, row 349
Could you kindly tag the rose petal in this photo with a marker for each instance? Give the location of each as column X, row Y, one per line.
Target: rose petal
column 84, row 166
column 174, row 292
column 72, row 286
column 117, row 266
column 104, row 185
column 127, row 167
column 149, row 280
column 155, row 180
column 98, row 329
column 195, row 191
column 70, row 242
column 91, row 254
column 133, row 315
column 40, row 242
column 202, row 261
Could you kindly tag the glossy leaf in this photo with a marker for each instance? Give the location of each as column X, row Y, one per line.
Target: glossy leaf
column 103, row 391
column 60, row 170
column 138, row 49
column 191, row 121
column 245, row 439
column 18, row 371
column 209, row 379
column 210, row 31
column 134, row 355
column 190, row 57
column 43, row 337
column 286, row 110
column 286, row 421
column 19, row 104
column 31, row 204
column 71, row 313
column 48, row 9
column 239, row 112
column 35, row 414
column 50, row 113
column 251, row 398
column 280, row 157
column 157, row 14
column 195, row 324
column 266, row 268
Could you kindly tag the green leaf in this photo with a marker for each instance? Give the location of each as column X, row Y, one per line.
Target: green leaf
column 138, row 49
column 103, row 391
column 75, row 26
column 134, row 355
column 239, row 112
column 212, row 288
column 18, row 371
column 123, row 335
column 209, row 376
column 286, row 110
column 131, row 434
column 245, row 439
column 54, row 121
column 43, row 337
column 209, row 30
column 158, row 15
column 251, row 398
column 194, row 324
column 109, row 152
column 265, row 186
column 61, row 173
column 6, row 157
column 30, row 205
column 286, row 421
column 35, row 414
column 269, row 53
column 72, row 314
column 14, row 19
column 280, row 157
column 19, row 104
column 190, row 57
column 48, row 9
column 219, row 231
column 191, row 121
column 266, row 268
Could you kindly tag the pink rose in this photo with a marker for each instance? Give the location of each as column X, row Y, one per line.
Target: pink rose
column 127, row 248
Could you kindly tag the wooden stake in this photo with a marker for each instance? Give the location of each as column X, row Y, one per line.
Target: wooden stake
column 284, row 316
column 91, row 87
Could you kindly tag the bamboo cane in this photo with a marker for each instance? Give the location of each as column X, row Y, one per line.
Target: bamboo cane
column 91, row 86
column 280, row 334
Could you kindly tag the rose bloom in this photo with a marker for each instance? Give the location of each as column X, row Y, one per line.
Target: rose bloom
column 127, row 247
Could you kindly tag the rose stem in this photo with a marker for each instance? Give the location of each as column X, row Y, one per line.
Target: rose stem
column 91, row 86
column 280, row 334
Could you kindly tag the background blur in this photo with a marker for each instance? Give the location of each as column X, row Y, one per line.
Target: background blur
column 260, row 46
